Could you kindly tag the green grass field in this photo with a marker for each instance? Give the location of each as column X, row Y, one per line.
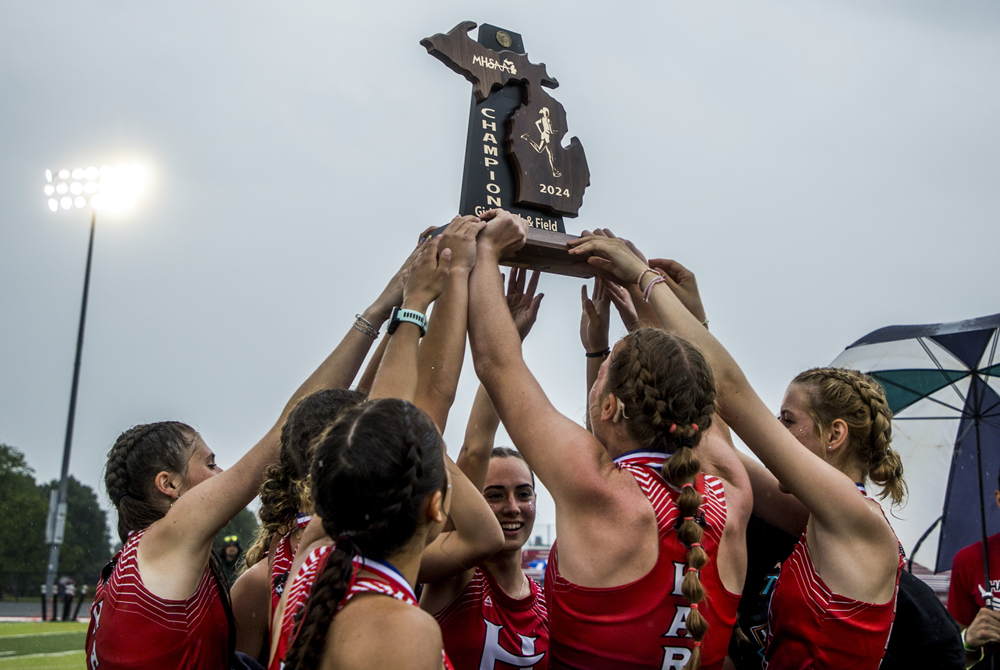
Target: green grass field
column 41, row 646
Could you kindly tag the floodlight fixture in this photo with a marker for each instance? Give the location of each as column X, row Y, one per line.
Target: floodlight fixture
column 112, row 188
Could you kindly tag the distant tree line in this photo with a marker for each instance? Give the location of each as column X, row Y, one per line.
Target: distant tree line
column 24, row 507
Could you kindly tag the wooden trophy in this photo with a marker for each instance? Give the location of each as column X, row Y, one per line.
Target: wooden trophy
column 514, row 157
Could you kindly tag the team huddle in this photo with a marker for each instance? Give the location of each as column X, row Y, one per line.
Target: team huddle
column 376, row 550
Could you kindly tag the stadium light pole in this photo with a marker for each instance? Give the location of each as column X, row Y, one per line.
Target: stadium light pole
column 108, row 188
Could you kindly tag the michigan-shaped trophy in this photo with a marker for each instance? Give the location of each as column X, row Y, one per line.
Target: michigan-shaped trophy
column 515, row 154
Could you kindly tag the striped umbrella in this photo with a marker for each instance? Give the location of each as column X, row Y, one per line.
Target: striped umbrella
column 942, row 382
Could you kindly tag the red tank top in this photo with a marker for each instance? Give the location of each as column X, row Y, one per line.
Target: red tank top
column 641, row 625
column 813, row 627
column 485, row 629
column 132, row 628
column 370, row 576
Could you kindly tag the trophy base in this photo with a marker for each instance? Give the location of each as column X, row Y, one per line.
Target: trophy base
column 549, row 252
column 546, row 251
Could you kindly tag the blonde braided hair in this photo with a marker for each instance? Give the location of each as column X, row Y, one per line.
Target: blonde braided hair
column 858, row 400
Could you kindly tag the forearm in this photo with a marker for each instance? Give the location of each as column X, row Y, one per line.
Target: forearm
column 442, row 351
column 471, row 514
column 593, row 368
column 368, row 378
column 480, row 434
column 397, row 374
column 493, row 336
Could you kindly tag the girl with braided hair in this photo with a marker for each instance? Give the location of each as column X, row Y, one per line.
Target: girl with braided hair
column 834, row 602
column 162, row 601
column 285, row 509
column 381, row 487
column 428, row 376
column 650, row 559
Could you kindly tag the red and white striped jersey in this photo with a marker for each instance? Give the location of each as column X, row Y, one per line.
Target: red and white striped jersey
column 132, row 628
column 370, row 576
column 641, row 625
column 810, row 626
column 486, row 629
column 298, row 593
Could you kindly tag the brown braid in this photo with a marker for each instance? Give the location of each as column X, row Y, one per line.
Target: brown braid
column 372, row 474
column 133, row 463
column 668, row 391
column 285, row 491
column 859, row 400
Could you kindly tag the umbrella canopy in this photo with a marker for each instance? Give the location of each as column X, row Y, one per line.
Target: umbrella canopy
column 942, row 382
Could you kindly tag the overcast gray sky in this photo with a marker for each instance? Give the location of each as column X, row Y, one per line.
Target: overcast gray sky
column 825, row 168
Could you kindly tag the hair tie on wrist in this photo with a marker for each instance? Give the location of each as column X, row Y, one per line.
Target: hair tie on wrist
column 598, row 354
column 649, row 287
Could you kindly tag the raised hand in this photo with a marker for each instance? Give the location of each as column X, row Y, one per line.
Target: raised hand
column 606, row 232
column 611, row 258
column 595, row 317
column 504, row 233
column 523, row 304
column 427, row 276
column 460, row 237
column 628, row 309
column 683, row 283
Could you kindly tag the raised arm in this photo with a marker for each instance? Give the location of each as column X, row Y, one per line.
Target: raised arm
column 397, row 374
column 568, row 459
column 827, row 493
column 480, row 432
column 441, row 354
column 594, row 323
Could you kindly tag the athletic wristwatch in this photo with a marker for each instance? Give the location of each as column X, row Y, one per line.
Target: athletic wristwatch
column 399, row 315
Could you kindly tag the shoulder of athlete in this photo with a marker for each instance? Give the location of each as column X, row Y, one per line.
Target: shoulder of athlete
column 253, row 585
column 869, row 535
column 360, row 629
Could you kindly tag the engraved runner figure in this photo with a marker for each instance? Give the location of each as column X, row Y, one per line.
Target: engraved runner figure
column 544, row 126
